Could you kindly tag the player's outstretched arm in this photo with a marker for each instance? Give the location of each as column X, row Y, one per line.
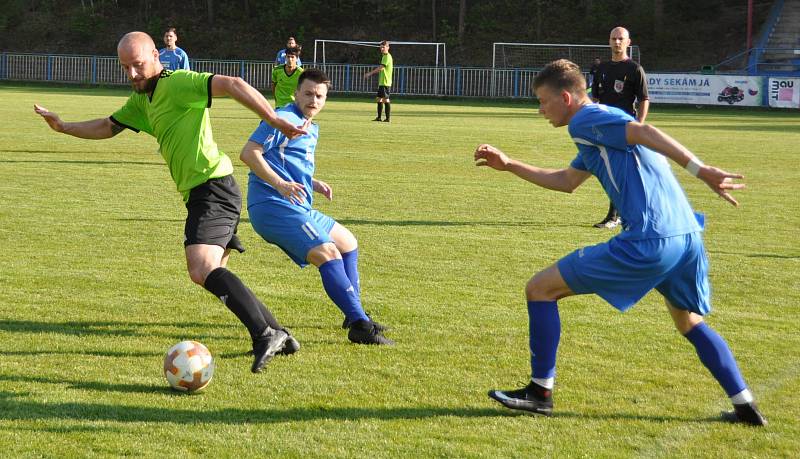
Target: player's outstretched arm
column 101, row 128
column 720, row 181
column 566, row 180
column 250, row 97
column 252, row 155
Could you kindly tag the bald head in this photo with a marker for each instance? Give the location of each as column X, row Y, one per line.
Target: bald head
column 619, row 40
column 139, row 58
column 620, row 31
column 134, row 41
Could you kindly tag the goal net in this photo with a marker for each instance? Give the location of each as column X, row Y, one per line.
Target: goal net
column 537, row 55
column 430, row 54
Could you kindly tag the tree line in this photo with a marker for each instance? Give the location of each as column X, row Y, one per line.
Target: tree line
column 672, row 34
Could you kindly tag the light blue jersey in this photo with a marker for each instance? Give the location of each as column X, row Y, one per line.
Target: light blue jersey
column 638, row 180
column 176, row 59
column 280, row 58
column 292, row 159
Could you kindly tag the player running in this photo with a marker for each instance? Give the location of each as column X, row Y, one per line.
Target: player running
column 660, row 248
column 279, row 203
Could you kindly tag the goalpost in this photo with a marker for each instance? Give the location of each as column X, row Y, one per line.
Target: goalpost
column 336, row 52
column 419, row 66
column 537, row 55
column 528, row 58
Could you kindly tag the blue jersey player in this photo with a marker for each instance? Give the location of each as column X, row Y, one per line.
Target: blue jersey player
column 660, row 247
column 279, row 202
column 172, row 57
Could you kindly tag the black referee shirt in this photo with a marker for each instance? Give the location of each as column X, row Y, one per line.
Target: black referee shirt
column 620, row 84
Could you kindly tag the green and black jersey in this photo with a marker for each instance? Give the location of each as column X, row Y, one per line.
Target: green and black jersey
column 176, row 114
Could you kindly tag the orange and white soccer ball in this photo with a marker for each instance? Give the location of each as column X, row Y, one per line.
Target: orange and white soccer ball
column 188, row 366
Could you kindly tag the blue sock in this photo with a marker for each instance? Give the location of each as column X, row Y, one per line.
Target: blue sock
column 350, row 260
column 717, row 357
column 545, row 332
column 341, row 291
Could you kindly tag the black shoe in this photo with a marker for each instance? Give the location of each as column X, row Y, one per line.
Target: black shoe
column 379, row 327
column 291, row 345
column 611, row 221
column 532, row 398
column 377, row 119
column 365, row 332
column 746, row 413
column 386, row 120
column 266, row 346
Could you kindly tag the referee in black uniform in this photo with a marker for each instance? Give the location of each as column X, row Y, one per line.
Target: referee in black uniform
column 619, row 83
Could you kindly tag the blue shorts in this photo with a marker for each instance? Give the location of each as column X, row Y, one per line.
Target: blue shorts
column 622, row 271
column 295, row 229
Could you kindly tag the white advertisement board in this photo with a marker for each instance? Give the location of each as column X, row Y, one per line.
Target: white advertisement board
column 688, row 88
column 784, row 92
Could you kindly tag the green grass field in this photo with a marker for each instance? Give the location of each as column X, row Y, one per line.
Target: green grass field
column 94, row 291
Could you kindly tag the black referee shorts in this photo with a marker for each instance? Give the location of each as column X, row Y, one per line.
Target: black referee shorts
column 213, row 215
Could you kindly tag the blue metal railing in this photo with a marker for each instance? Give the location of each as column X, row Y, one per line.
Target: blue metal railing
column 346, row 78
column 769, row 26
column 756, row 65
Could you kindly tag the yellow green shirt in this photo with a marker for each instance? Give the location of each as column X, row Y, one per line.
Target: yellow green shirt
column 285, row 84
column 385, row 75
column 177, row 116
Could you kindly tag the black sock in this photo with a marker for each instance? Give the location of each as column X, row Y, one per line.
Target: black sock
column 612, row 212
column 388, row 110
column 380, row 109
column 241, row 301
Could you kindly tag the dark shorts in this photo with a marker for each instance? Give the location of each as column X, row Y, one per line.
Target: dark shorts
column 213, row 214
column 384, row 92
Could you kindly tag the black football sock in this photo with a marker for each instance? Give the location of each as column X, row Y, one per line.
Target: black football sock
column 380, row 109
column 388, row 110
column 613, row 212
column 240, row 300
column 267, row 315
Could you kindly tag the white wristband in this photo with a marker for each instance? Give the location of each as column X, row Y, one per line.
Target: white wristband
column 694, row 165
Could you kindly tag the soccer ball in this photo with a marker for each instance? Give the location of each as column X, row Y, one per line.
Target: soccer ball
column 188, row 366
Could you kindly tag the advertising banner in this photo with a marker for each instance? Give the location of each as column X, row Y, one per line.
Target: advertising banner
column 688, row 88
column 784, row 92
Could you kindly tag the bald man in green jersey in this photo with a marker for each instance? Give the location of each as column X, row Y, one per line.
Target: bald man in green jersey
column 173, row 108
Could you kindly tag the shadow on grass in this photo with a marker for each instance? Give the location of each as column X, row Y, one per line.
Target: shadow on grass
column 115, row 354
column 111, row 328
column 98, row 386
column 67, row 161
column 401, row 223
column 14, row 409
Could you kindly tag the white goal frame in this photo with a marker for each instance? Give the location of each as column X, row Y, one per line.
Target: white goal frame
column 441, row 48
column 562, row 48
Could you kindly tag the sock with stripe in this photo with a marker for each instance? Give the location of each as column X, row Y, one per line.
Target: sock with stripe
column 350, row 260
column 341, row 291
column 226, row 286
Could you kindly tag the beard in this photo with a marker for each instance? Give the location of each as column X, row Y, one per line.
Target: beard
column 145, row 86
